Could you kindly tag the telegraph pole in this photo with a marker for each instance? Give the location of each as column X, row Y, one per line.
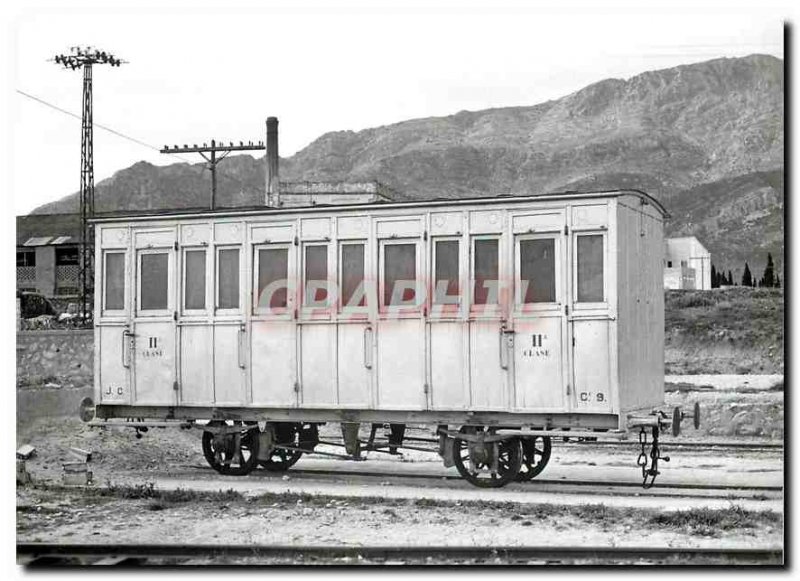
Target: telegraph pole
column 212, row 159
column 85, row 57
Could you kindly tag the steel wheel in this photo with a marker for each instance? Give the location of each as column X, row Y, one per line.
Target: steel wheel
column 535, row 455
column 475, row 466
column 293, row 435
column 222, row 454
column 281, row 460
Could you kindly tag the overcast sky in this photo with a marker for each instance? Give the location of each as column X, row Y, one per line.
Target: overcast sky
column 217, row 72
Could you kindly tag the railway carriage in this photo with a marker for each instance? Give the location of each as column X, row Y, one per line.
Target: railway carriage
column 500, row 322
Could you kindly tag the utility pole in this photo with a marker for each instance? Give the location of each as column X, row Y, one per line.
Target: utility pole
column 85, row 57
column 212, row 159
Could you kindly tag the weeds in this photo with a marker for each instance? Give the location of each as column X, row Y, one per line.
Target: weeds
column 714, row 522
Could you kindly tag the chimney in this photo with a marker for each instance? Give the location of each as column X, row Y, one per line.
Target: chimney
column 273, row 183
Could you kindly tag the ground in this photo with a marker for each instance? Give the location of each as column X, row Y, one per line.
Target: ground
column 159, row 488
column 737, row 330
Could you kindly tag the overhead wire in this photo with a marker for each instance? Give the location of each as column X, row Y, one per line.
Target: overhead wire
column 122, row 135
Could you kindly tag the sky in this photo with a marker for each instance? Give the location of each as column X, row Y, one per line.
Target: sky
column 218, row 70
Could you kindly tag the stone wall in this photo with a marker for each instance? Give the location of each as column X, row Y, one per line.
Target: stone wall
column 54, row 372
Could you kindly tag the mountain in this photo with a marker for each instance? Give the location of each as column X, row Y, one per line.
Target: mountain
column 706, row 139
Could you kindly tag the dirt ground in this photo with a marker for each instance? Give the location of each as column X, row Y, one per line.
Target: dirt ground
column 222, row 518
column 741, row 410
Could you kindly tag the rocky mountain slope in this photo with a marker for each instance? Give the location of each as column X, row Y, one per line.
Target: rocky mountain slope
column 706, row 139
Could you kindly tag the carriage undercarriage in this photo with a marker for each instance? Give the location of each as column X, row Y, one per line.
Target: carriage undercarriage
column 487, row 455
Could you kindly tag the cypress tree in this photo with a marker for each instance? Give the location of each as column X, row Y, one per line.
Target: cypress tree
column 777, row 281
column 747, row 277
column 769, row 272
column 714, row 280
column 730, row 278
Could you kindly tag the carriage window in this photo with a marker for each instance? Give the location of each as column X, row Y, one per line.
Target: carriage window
column 273, row 275
column 115, row 281
column 316, row 276
column 446, row 289
column 228, row 278
column 195, row 280
column 486, row 269
column 399, row 274
column 352, row 284
column 537, row 270
column 154, row 281
column 590, row 269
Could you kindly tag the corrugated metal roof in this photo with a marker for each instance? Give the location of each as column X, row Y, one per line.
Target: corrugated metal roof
column 49, row 225
column 40, row 241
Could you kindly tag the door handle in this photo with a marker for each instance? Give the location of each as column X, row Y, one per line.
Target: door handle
column 239, row 349
column 126, row 344
column 368, row 348
column 505, row 336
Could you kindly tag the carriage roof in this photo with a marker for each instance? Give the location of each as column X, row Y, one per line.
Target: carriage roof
column 429, row 202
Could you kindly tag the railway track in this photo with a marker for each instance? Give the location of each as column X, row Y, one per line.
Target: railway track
column 533, row 484
column 51, row 555
column 739, row 446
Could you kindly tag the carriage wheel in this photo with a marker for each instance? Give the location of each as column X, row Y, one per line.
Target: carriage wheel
column 281, row 460
column 222, row 454
column 535, row 455
column 475, row 464
column 293, row 435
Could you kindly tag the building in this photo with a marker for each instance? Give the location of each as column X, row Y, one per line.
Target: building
column 687, row 264
column 48, row 260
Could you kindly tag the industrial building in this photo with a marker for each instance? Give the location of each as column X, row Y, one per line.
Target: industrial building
column 687, row 264
column 47, row 254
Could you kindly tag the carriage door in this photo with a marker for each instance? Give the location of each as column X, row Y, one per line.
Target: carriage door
column 590, row 320
column 401, row 327
column 489, row 334
column 273, row 348
column 113, row 324
column 539, row 321
column 154, row 373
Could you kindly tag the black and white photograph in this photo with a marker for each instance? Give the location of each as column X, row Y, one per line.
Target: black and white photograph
column 317, row 286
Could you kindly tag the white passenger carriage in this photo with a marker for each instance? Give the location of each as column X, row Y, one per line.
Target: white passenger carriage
column 512, row 318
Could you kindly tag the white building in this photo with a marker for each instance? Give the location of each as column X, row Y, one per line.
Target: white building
column 687, row 264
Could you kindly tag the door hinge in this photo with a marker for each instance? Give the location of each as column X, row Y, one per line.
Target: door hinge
column 296, row 386
column 296, row 241
column 566, row 229
column 568, row 389
column 566, row 309
column 426, row 388
column 174, row 315
column 573, row 341
column 175, row 386
column 176, row 245
column 425, row 235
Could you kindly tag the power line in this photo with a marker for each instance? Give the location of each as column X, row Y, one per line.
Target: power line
column 120, row 134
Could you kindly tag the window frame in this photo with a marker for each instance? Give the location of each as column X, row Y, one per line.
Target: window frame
column 419, row 301
column 60, row 251
column 222, row 311
column 331, row 292
column 447, row 309
column 267, row 310
column 104, row 310
column 486, row 308
column 519, row 297
column 27, row 252
column 589, row 305
column 341, row 307
column 184, row 251
column 170, row 307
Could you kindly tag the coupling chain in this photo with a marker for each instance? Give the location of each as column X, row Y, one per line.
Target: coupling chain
column 649, row 465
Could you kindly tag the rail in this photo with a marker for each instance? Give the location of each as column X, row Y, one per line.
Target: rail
column 50, row 554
